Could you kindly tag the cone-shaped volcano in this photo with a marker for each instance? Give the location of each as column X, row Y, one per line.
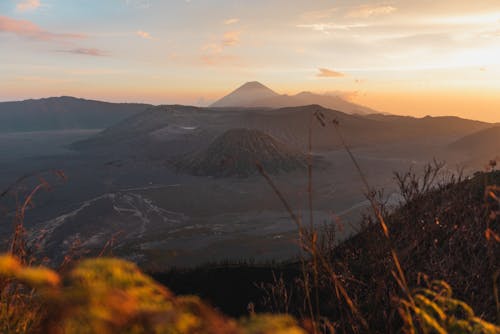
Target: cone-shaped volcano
column 236, row 153
column 246, row 95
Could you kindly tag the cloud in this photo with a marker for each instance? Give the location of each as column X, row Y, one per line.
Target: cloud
column 86, row 52
column 28, row 5
column 30, row 30
column 365, row 11
column 213, row 53
column 231, row 38
column 231, row 21
column 326, row 73
column 327, row 27
column 143, row 34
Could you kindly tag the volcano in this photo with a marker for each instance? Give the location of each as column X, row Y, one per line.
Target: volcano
column 236, row 153
column 246, row 95
column 256, row 95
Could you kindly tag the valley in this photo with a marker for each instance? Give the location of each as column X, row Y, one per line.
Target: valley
column 178, row 185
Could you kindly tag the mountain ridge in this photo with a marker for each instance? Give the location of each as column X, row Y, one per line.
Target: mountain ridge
column 63, row 113
column 254, row 94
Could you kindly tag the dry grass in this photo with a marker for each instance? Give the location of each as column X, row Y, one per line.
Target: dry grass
column 19, row 310
column 447, row 227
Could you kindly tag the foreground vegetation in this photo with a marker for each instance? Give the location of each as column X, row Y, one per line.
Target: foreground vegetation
column 444, row 278
column 445, row 235
column 111, row 296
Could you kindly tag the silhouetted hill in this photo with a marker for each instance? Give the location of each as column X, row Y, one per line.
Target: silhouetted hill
column 236, row 152
column 162, row 123
column 438, row 234
column 446, row 125
column 63, row 113
column 256, row 95
column 291, row 125
column 482, row 142
column 191, row 127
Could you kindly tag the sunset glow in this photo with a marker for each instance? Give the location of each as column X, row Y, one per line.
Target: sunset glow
column 403, row 57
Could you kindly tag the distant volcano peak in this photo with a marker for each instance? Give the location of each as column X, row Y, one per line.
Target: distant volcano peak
column 254, row 85
column 254, row 94
column 246, row 94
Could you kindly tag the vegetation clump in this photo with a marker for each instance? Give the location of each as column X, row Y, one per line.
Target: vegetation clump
column 445, row 233
column 106, row 295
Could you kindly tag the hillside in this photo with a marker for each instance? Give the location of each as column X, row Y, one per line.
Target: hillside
column 480, row 143
column 438, row 235
column 63, row 113
column 236, row 152
column 191, row 127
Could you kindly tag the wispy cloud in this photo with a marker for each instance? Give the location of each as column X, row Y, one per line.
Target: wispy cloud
column 327, row 27
column 327, row 73
column 231, row 38
column 27, row 29
column 28, row 5
column 365, row 11
column 213, row 53
column 231, row 21
column 86, row 52
column 144, row 34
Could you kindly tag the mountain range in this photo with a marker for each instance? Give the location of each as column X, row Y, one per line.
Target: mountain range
column 256, row 95
column 181, row 185
column 176, row 130
column 172, row 130
column 63, row 113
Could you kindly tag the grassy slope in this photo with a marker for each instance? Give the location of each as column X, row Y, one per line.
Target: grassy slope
column 440, row 234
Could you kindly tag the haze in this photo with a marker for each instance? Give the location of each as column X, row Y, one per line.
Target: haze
column 402, row 57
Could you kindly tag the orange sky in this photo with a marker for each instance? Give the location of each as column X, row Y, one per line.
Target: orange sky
column 403, row 57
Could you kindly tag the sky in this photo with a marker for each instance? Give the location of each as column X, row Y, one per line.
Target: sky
column 439, row 57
